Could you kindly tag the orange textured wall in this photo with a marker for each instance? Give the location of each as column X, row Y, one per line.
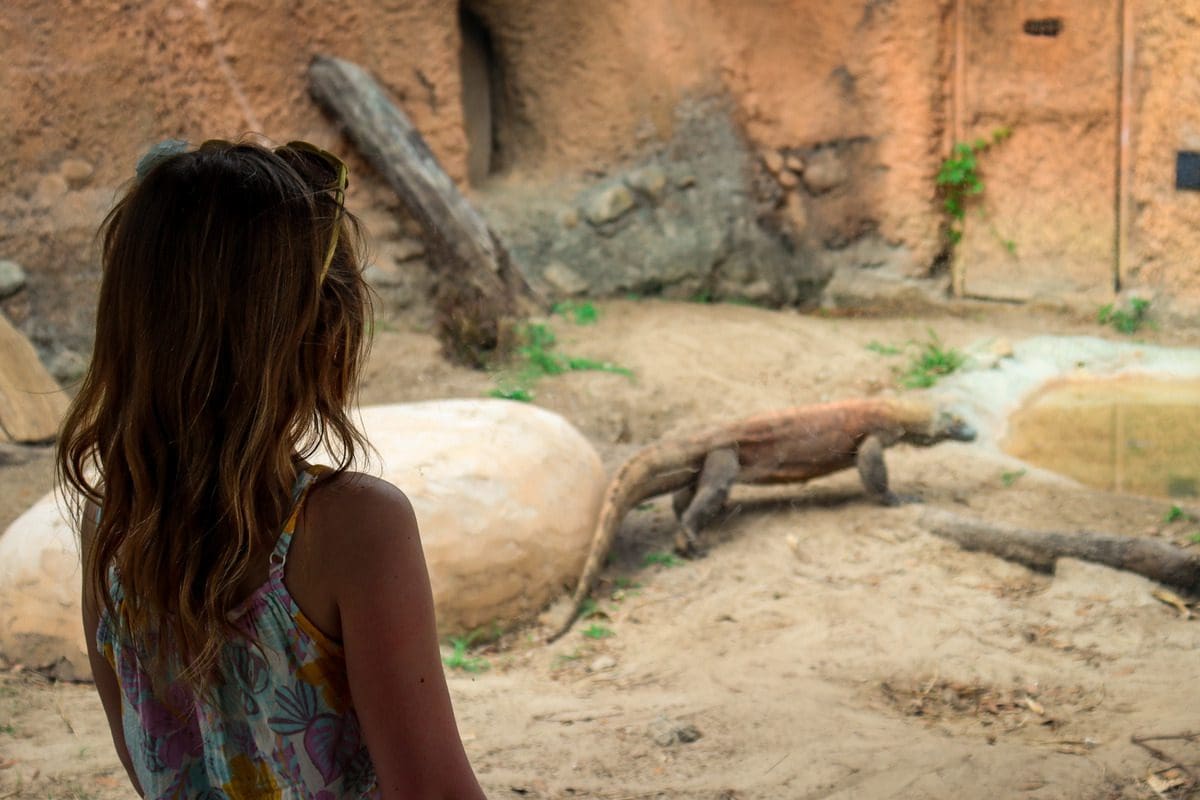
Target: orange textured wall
column 1165, row 234
column 88, row 84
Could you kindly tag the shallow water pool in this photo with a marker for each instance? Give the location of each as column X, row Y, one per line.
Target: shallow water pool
column 1130, row 434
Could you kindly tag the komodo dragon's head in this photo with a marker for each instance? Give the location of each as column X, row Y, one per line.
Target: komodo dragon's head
column 938, row 425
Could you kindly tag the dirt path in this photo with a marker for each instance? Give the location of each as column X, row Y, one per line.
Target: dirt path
column 825, row 648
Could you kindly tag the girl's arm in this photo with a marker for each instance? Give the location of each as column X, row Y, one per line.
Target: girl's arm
column 381, row 587
column 102, row 672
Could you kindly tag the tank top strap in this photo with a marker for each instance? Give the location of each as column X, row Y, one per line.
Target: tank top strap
column 304, row 482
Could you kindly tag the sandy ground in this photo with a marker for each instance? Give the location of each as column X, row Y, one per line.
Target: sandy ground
column 824, row 648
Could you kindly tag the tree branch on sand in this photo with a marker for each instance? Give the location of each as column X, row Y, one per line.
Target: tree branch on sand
column 479, row 293
column 1151, row 558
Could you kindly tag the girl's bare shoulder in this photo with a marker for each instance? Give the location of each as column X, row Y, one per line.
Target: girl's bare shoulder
column 360, row 515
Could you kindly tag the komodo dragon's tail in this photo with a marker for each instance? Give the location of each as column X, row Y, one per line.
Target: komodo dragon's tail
column 652, row 471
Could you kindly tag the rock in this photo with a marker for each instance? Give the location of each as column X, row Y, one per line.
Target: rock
column 383, row 274
column 788, row 180
column 31, row 404
column 40, row 624
column 50, row 190
column 796, row 213
column 506, row 495
column 568, row 218
column 685, row 181
column 1002, row 348
column 76, row 172
column 406, row 249
column 666, row 732
column 564, row 279
column 650, row 181
column 602, row 663
column 609, row 204
column 824, row 171
column 1084, row 582
column 67, row 366
column 794, row 163
column 12, row 278
column 772, row 161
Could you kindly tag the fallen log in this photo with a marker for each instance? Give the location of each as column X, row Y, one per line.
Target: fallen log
column 478, row 291
column 1038, row 550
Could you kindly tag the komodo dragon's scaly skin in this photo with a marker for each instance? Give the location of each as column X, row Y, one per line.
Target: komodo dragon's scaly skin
column 786, row 446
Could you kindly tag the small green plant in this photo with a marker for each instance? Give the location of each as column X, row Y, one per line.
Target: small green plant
column 597, row 631
column 459, row 659
column 661, row 559
column 1126, row 320
column 581, row 313
column 931, row 362
column 536, row 358
column 1175, row 513
column 1195, row 538
column 703, row 296
column 959, row 180
column 8, row 730
column 589, row 608
column 1009, row 478
column 621, row 582
column 883, row 349
column 563, row 659
column 513, row 393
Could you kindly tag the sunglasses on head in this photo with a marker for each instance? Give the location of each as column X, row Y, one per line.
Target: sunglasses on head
column 323, row 170
column 339, row 175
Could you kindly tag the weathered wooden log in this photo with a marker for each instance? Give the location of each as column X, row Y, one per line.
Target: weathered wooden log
column 31, row 403
column 478, row 291
column 1154, row 559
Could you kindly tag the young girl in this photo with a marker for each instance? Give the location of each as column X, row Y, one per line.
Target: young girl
column 258, row 627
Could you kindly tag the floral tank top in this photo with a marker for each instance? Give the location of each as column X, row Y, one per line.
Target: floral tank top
column 280, row 726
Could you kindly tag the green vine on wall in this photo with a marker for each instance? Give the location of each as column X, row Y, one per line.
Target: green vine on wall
column 959, row 181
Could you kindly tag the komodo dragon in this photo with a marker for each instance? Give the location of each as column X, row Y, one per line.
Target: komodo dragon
column 786, row 446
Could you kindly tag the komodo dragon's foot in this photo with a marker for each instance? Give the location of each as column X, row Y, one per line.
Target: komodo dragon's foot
column 892, row 500
column 687, row 545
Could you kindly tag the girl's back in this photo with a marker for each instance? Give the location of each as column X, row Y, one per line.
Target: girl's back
column 258, row 628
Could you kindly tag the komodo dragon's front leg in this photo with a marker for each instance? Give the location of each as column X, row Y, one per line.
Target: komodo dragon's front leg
column 697, row 505
column 873, row 471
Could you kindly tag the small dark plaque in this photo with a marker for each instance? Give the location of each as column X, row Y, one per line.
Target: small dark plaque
column 1050, row 26
column 1187, row 170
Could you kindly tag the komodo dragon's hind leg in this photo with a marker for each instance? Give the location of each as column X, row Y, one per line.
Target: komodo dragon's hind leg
column 717, row 476
column 873, row 471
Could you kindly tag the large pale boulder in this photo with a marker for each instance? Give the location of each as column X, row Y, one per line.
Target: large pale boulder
column 39, row 593
column 506, row 495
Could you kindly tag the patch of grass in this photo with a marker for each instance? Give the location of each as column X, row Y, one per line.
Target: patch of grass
column 581, row 313
column 931, row 362
column 1175, row 513
column 513, row 393
column 536, row 358
column 589, row 608
column 566, row 658
column 597, row 631
column 621, row 582
column 1009, row 478
column 883, row 349
column 1195, row 538
column 661, row 559
column 8, row 730
column 459, row 658
column 1127, row 320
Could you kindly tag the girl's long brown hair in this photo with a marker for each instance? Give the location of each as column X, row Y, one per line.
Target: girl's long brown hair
column 221, row 358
